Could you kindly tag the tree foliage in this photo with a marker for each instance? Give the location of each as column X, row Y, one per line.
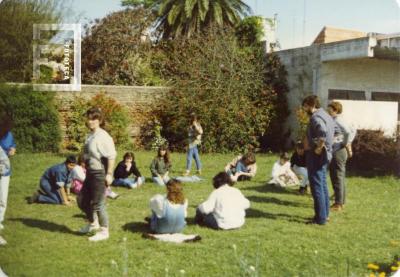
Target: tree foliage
column 16, row 34
column 249, row 31
column 186, row 17
column 113, row 52
column 222, row 83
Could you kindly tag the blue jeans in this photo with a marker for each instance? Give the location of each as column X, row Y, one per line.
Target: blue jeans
column 317, row 166
column 128, row 182
column 160, row 181
column 51, row 196
column 193, row 153
column 207, row 220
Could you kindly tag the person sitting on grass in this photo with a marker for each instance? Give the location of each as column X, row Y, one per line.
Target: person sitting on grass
column 160, row 166
column 52, row 184
column 281, row 174
column 225, row 207
column 298, row 166
column 124, row 169
column 169, row 211
column 242, row 168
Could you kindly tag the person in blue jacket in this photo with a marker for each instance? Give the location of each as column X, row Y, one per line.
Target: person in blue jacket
column 8, row 144
column 52, row 184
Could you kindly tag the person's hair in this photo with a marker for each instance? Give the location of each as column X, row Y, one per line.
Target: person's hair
column 336, row 106
column 284, row 156
column 71, row 159
column 95, row 113
column 81, row 159
column 175, row 192
column 249, row 158
column 129, row 155
column 167, row 158
column 6, row 124
column 312, row 101
column 193, row 117
column 299, row 145
column 221, row 179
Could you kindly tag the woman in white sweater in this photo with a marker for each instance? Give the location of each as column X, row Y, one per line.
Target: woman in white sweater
column 225, row 207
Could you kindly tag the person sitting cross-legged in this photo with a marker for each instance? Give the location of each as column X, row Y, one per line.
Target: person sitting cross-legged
column 126, row 168
column 225, row 207
column 169, row 211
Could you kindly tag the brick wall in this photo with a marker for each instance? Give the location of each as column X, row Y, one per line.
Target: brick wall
column 138, row 100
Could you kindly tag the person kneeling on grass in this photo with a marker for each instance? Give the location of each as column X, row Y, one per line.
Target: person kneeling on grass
column 169, row 212
column 281, row 174
column 225, row 207
column 52, row 184
column 298, row 166
column 242, row 168
column 126, row 168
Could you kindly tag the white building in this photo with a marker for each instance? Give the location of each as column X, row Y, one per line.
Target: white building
column 343, row 64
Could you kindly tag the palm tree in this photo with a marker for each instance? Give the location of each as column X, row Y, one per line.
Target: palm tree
column 185, row 17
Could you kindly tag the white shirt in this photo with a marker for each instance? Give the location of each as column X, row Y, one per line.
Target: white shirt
column 279, row 169
column 99, row 145
column 157, row 205
column 228, row 206
column 77, row 173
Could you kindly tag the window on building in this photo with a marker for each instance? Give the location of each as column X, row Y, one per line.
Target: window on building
column 387, row 96
column 346, row 94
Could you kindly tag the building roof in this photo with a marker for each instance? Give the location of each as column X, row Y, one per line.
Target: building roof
column 331, row 34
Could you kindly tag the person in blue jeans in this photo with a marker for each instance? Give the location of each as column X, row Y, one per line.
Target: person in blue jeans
column 195, row 132
column 7, row 143
column 169, row 211
column 126, row 168
column 242, row 168
column 52, row 184
column 318, row 146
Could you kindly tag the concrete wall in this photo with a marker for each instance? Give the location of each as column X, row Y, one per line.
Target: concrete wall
column 308, row 75
column 367, row 75
column 138, row 100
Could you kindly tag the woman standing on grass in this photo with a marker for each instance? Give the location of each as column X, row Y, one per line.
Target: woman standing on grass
column 194, row 134
column 8, row 145
column 99, row 155
column 343, row 138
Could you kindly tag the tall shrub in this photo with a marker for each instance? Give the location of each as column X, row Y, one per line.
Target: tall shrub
column 116, row 120
column 36, row 122
column 221, row 82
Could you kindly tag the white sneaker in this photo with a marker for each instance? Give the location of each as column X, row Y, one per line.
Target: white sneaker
column 91, row 227
column 2, row 241
column 113, row 195
column 101, row 235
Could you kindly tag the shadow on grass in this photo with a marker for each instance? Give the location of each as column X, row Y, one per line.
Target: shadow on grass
column 271, row 189
column 254, row 213
column 137, row 227
column 275, row 200
column 44, row 225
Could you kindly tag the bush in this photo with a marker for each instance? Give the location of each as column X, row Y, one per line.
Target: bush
column 36, row 122
column 222, row 83
column 128, row 59
column 116, row 121
column 373, row 153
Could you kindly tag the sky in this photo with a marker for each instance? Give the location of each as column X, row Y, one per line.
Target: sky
column 299, row 21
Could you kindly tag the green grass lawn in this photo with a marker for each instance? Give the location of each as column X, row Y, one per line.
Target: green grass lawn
column 275, row 241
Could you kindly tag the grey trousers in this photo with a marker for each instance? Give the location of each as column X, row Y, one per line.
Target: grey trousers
column 93, row 197
column 337, row 170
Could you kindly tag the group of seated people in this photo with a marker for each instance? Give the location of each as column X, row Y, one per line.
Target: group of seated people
column 224, row 208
